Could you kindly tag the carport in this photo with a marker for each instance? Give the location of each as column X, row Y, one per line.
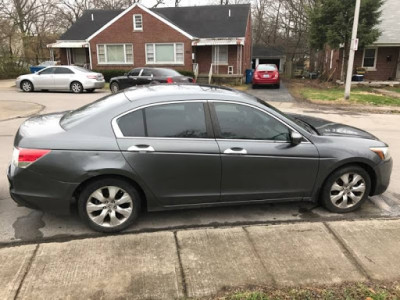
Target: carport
column 268, row 55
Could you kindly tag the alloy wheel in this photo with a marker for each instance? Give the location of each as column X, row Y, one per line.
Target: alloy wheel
column 76, row 87
column 26, row 86
column 109, row 206
column 114, row 88
column 347, row 190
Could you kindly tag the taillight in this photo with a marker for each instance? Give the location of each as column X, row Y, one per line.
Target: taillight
column 276, row 75
column 170, row 80
column 22, row 157
column 256, row 75
column 92, row 76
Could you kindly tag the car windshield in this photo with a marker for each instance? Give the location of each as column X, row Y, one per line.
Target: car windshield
column 266, row 68
column 166, row 72
column 74, row 117
column 82, row 69
column 307, row 127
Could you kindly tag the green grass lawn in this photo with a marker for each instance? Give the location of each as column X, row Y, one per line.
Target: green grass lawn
column 358, row 95
column 348, row 292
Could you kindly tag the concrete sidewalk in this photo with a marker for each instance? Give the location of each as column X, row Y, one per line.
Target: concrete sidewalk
column 200, row 263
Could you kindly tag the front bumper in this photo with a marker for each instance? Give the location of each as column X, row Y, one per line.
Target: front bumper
column 37, row 191
column 383, row 172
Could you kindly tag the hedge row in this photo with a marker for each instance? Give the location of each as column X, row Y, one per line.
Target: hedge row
column 110, row 73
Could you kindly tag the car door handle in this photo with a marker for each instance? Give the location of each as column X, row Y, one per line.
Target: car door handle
column 141, row 148
column 235, row 150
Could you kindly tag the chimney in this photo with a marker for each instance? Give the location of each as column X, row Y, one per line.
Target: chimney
column 93, row 17
column 229, row 13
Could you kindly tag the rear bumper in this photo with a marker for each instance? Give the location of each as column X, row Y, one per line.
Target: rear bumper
column 93, row 84
column 383, row 172
column 266, row 81
column 37, row 191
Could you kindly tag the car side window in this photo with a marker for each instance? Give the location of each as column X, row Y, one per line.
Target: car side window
column 135, row 72
column 47, row 71
column 146, row 72
column 63, row 71
column 181, row 120
column 238, row 121
column 132, row 124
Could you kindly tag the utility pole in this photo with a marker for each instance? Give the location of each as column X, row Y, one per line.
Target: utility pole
column 352, row 51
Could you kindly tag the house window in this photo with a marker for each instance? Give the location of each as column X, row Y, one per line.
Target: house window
column 115, row 54
column 369, row 60
column 220, row 55
column 172, row 53
column 137, row 23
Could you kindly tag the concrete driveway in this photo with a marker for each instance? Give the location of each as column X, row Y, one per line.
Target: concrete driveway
column 23, row 224
column 268, row 93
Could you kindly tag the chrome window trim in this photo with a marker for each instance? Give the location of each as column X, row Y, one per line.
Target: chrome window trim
column 119, row 134
column 263, row 111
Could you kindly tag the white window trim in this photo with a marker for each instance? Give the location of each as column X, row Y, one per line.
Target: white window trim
column 376, row 58
column 134, row 23
column 165, row 63
column 219, row 62
column 230, row 70
column 115, row 63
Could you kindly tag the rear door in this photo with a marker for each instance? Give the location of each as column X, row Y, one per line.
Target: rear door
column 45, row 79
column 258, row 160
column 62, row 78
column 171, row 146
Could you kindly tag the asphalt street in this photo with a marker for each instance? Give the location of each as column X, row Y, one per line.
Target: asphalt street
column 23, row 224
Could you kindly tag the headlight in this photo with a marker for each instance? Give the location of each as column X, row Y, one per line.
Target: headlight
column 382, row 152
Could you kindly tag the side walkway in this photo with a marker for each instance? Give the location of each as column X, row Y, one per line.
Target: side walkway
column 200, row 263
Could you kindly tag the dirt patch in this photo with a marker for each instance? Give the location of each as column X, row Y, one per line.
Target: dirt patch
column 18, row 109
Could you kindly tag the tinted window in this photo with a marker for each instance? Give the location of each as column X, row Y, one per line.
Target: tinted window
column 132, row 124
column 243, row 122
column 266, row 68
column 135, row 72
column 47, row 71
column 184, row 120
column 146, row 72
column 63, row 71
column 166, row 72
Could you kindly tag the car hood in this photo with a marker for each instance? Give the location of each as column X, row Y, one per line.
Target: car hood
column 329, row 128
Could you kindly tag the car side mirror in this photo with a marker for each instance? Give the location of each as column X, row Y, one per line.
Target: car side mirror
column 295, row 138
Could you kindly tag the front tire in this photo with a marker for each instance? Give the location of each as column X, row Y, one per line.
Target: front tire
column 109, row 205
column 346, row 189
column 26, row 86
column 76, row 87
column 114, row 87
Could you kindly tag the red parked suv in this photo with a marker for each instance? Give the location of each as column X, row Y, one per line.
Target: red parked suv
column 266, row 75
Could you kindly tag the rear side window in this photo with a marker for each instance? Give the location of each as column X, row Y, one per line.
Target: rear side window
column 132, row 124
column 146, row 72
column 47, row 71
column 243, row 122
column 180, row 120
column 63, row 71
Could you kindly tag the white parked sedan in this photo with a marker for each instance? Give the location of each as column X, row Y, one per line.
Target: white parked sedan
column 73, row 78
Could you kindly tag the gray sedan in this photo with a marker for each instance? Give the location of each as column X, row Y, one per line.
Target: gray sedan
column 181, row 146
column 73, row 78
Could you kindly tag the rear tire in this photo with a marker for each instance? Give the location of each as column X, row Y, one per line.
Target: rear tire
column 278, row 86
column 114, row 87
column 253, row 86
column 346, row 189
column 76, row 87
column 109, row 205
column 26, row 86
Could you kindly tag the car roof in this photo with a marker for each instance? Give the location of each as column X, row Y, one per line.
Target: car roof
column 179, row 92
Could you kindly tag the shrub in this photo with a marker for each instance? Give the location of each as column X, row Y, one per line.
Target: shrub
column 110, row 73
column 12, row 67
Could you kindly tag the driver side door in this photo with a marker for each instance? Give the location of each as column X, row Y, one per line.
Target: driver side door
column 44, row 79
column 259, row 162
column 131, row 79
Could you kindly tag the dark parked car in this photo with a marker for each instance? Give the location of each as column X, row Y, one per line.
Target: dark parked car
column 141, row 76
column 182, row 146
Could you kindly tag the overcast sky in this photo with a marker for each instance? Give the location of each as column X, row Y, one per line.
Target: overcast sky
column 150, row 3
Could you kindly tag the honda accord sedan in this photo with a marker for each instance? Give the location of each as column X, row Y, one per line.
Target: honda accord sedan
column 164, row 147
column 67, row 78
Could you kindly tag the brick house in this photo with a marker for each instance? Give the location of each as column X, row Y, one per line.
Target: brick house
column 381, row 60
column 198, row 38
